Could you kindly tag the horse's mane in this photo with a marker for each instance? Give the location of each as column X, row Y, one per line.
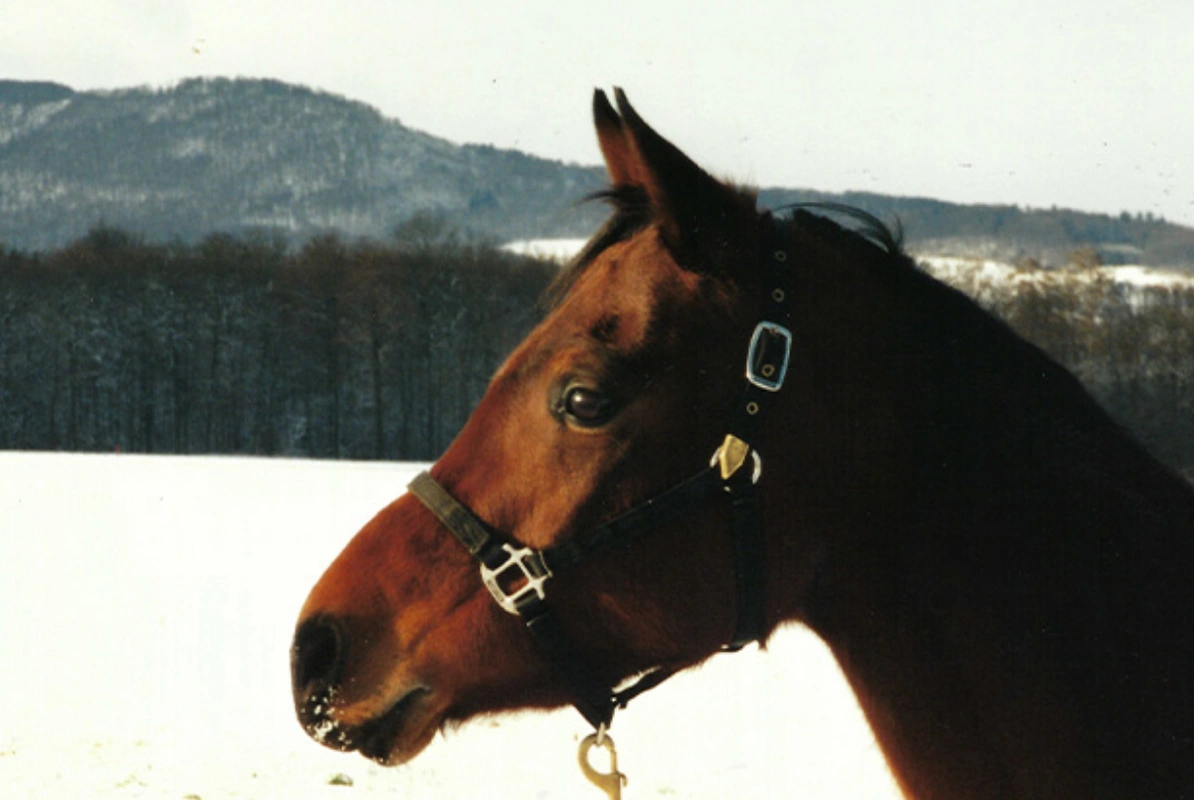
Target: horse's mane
column 864, row 225
column 948, row 339
column 631, row 213
column 985, row 380
column 999, row 421
column 943, row 327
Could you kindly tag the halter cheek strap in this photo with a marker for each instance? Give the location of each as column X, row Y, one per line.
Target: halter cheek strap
column 518, row 576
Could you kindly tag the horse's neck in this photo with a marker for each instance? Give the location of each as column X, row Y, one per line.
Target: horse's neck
column 950, row 723
column 993, row 664
column 984, row 551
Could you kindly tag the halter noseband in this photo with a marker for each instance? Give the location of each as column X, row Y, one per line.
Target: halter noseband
column 518, row 576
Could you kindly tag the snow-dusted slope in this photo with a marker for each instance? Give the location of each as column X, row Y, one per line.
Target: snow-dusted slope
column 147, row 610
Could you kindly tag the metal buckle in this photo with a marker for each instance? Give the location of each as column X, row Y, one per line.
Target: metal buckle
column 731, row 455
column 762, row 368
column 521, row 559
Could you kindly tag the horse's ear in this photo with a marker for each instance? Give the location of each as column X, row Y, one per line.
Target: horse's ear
column 615, row 147
column 699, row 217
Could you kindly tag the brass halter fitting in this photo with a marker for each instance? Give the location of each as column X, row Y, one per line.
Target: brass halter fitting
column 609, row 782
column 731, row 455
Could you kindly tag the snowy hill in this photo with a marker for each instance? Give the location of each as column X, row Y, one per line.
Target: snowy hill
column 219, row 155
column 148, row 605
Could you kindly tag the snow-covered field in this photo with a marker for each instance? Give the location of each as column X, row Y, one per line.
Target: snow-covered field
column 147, row 610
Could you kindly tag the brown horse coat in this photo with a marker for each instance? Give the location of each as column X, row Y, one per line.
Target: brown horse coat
column 1003, row 575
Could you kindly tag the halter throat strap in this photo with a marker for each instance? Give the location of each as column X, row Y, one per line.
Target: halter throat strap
column 517, row 576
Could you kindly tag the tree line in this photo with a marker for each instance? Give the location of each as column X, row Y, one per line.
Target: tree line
column 240, row 345
column 379, row 350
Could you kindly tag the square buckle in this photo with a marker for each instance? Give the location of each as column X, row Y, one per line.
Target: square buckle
column 522, row 563
column 767, row 360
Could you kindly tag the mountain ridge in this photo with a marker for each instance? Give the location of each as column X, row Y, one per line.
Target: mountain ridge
column 237, row 155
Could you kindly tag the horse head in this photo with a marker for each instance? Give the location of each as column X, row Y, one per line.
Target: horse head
column 976, row 541
column 623, row 390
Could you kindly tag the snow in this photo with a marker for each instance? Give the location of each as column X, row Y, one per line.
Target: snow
column 148, row 606
column 561, row 250
column 18, row 119
column 1135, row 275
column 951, row 269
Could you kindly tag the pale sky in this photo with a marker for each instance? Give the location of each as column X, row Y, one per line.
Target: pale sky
column 1077, row 103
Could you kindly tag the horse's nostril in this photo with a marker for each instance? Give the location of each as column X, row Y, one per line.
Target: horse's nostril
column 315, row 656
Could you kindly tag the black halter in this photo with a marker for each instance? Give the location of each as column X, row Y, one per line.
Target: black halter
column 518, row 577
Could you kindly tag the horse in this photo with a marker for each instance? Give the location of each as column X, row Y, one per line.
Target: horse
column 1003, row 575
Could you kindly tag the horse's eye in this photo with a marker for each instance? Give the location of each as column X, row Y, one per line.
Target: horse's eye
column 587, row 406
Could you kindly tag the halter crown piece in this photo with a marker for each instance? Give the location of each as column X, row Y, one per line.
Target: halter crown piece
column 519, row 577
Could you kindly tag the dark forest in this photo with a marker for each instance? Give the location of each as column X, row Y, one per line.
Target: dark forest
column 234, row 345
